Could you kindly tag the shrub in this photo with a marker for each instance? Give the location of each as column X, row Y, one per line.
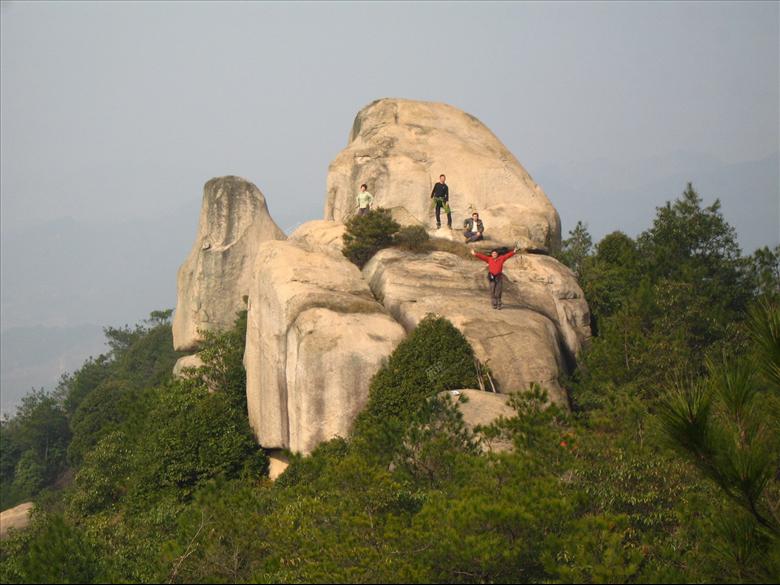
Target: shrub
column 30, row 476
column 102, row 479
column 412, row 237
column 367, row 234
column 223, row 361
column 59, row 553
column 433, row 358
column 197, row 428
column 193, row 436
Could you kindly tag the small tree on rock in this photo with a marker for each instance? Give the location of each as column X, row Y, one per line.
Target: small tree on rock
column 367, row 234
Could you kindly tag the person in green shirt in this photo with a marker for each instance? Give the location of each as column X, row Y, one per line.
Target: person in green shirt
column 364, row 200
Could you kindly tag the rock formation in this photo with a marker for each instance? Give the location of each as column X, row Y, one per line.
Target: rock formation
column 400, row 147
column 319, row 328
column 315, row 338
column 187, row 361
column 215, row 278
column 519, row 345
column 321, row 235
column 544, row 285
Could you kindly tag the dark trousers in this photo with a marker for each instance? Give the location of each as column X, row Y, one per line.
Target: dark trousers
column 496, row 284
column 439, row 205
column 472, row 236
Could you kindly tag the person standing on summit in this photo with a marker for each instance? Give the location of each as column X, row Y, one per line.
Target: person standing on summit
column 364, row 200
column 441, row 195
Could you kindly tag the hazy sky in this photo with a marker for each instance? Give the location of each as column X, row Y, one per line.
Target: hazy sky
column 114, row 114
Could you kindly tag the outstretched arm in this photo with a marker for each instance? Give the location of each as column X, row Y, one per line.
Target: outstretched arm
column 480, row 256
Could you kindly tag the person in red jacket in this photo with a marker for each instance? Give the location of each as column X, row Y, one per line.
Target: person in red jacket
column 495, row 272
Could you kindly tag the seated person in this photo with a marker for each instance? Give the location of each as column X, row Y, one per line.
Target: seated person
column 473, row 228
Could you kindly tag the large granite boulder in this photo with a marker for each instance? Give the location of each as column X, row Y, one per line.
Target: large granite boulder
column 400, row 147
column 315, row 338
column 524, row 343
column 184, row 363
column 321, row 235
column 215, row 277
column 544, row 285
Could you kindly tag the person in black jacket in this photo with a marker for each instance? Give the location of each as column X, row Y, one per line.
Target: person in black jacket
column 441, row 195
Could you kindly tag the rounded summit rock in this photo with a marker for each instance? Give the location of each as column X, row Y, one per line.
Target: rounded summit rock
column 399, row 148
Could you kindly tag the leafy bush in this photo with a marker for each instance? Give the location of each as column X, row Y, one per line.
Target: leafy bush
column 103, row 477
column 412, row 237
column 222, row 354
column 367, row 234
column 197, row 428
column 30, row 475
column 193, row 436
column 52, row 551
column 433, row 358
column 168, row 440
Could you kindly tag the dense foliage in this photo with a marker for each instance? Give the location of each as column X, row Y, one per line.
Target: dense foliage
column 666, row 469
column 367, row 234
column 435, row 357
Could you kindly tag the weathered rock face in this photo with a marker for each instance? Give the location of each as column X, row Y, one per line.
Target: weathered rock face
column 278, row 463
column 400, row 147
column 315, row 338
column 520, row 344
column 317, row 334
column 543, row 284
column 187, row 361
column 321, row 235
column 17, row 518
column 215, row 278
column 482, row 409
